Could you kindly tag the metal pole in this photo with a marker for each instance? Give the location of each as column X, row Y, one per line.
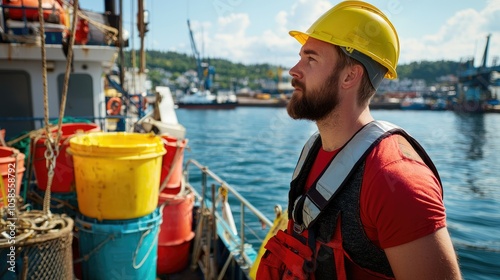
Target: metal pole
column 242, row 229
column 120, row 40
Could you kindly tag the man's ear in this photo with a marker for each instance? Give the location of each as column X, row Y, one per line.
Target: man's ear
column 352, row 76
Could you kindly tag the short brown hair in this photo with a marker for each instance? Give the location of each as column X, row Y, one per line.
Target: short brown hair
column 366, row 90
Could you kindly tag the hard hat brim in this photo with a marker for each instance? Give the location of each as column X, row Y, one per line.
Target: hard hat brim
column 299, row 36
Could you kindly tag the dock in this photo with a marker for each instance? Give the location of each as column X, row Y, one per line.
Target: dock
column 244, row 101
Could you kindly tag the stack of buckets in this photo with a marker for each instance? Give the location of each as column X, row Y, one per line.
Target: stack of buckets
column 177, row 208
column 126, row 228
column 117, row 178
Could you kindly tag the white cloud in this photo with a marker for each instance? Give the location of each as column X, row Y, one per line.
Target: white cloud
column 229, row 36
column 463, row 35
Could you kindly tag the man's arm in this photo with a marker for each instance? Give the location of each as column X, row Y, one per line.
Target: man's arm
column 429, row 257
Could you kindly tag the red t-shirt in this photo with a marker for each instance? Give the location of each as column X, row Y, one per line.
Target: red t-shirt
column 401, row 199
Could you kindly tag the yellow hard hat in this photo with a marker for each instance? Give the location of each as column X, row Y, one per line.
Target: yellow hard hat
column 363, row 32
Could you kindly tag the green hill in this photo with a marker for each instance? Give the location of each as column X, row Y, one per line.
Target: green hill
column 428, row 70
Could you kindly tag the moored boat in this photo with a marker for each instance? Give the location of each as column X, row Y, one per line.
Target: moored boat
column 205, row 99
column 200, row 94
column 417, row 103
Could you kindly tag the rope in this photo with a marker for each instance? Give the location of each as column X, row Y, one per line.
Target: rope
column 50, row 158
column 95, row 250
column 69, row 58
column 52, row 145
column 36, row 198
column 49, row 142
column 30, row 224
column 29, row 134
column 44, row 69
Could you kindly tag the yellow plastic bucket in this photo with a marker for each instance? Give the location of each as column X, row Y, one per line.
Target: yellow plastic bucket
column 117, row 174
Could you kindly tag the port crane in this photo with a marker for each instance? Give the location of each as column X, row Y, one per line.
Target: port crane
column 474, row 93
column 205, row 72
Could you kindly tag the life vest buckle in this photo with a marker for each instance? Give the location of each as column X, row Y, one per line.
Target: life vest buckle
column 298, row 228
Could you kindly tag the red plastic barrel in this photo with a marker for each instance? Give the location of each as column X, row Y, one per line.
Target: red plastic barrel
column 11, row 170
column 176, row 232
column 173, row 257
column 64, row 179
column 175, row 152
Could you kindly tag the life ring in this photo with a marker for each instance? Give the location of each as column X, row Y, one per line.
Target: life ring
column 114, row 106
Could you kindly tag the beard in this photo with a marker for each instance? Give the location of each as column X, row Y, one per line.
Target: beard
column 315, row 104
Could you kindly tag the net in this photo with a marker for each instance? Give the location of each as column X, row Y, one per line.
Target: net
column 42, row 248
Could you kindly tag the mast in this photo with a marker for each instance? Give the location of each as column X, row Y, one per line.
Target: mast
column 141, row 26
column 120, row 39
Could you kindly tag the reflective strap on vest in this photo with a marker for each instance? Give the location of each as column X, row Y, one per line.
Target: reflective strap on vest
column 317, row 198
column 303, row 154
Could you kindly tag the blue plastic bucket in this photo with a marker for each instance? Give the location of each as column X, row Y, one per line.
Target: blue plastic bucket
column 119, row 249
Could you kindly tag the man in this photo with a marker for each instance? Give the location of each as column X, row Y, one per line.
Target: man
column 365, row 199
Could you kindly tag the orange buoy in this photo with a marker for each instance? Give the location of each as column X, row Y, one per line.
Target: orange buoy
column 114, row 106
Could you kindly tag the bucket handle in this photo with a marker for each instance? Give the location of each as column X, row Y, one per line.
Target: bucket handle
column 147, row 232
column 95, row 250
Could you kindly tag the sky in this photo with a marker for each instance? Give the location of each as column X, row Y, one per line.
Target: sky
column 256, row 31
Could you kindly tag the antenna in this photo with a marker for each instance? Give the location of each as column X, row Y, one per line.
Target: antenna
column 485, row 54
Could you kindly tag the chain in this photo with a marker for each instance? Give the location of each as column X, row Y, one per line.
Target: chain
column 51, row 154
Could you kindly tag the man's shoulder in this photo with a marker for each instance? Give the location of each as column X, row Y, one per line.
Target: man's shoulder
column 395, row 147
column 396, row 160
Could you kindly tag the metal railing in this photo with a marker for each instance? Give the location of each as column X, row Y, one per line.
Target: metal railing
column 206, row 173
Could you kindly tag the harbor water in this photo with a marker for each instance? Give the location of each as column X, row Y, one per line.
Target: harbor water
column 255, row 151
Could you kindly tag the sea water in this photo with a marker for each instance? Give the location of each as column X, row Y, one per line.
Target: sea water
column 255, row 150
